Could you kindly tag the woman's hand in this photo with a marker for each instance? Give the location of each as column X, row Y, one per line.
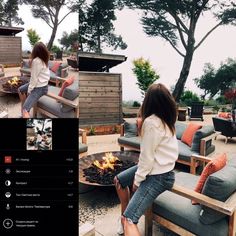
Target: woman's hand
column 134, row 188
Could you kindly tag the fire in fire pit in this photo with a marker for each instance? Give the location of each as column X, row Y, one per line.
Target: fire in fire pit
column 13, row 84
column 104, row 171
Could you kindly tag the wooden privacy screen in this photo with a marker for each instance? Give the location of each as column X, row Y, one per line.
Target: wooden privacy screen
column 100, row 98
column 10, row 50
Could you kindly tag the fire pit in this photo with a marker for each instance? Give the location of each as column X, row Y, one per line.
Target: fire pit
column 99, row 169
column 12, row 83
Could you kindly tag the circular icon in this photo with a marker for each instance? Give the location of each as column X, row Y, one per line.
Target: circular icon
column 7, row 194
column 8, row 171
column 7, row 183
column 7, row 223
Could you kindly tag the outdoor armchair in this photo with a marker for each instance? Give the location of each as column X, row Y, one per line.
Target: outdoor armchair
column 83, row 148
column 196, row 111
column 73, row 63
column 55, row 106
column 1, row 70
column 225, row 127
column 174, row 210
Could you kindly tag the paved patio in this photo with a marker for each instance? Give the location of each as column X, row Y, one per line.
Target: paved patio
column 11, row 102
column 100, row 206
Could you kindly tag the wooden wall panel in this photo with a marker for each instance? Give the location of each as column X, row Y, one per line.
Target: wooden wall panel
column 100, row 98
column 10, row 50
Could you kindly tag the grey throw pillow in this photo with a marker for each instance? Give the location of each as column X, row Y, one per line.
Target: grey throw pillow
column 219, row 185
column 179, row 129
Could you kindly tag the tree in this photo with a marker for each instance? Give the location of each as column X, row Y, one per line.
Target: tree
column 96, row 28
column 188, row 97
column 145, row 74
column 68, row 40
column 9, row 13
column 215, row 81
column 33, row 37
column 176, row 22
column 48, row 11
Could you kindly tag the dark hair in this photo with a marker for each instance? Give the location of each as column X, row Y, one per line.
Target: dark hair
column 41, row 51
column 159, row 101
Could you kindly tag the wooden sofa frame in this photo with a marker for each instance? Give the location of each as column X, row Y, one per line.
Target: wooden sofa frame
column 228, row 208
column 83, row 134
column 193, row 164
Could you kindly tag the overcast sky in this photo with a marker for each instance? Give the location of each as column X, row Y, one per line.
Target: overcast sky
column 220, row 45
column 44, row 31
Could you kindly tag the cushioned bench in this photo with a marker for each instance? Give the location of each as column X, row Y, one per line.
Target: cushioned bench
column 174, row 210
column 202, row 142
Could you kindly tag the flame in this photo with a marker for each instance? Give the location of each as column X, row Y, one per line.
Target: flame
column 108, row 161
column 14, row 81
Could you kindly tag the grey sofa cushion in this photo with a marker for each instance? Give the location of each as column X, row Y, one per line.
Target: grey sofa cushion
column 82, row 148
column 132, row 141
column 181, row 211
column 185, row 152
column 179, row 129
column 52, row 106
column 71, row 92
column 1, row 74
column 130, row 129
column 220, row 185
column 201, row 133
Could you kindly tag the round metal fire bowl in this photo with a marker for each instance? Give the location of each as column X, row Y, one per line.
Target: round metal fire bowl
column 5, row 79
column 86, row 162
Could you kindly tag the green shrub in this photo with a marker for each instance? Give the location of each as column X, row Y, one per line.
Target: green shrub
column 136, row 104
column 188, row 97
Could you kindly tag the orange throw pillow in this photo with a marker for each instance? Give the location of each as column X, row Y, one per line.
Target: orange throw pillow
column 55, row 66
column 214, row 165
column 188, row 134
column 67, row 83
column 225, row 115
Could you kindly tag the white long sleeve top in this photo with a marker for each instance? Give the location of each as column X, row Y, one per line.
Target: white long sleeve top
column 40, row 74
column 158, row 149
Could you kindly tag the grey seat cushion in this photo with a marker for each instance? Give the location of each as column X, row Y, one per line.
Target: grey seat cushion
column 25, row 70
column 219, row 185
column 2, row 74
column 52, row 106
column 180, row 210
column 185, row 152
column 132, row 141
column 82, row 148
column 130, row 129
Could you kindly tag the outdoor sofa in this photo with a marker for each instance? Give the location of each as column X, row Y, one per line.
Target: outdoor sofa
column 55, row 106
column 57, row 69
column 201, row 144
column 216, row 213
column 225, row 127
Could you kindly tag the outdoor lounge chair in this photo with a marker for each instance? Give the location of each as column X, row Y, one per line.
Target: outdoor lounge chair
column 73, row 63
column 196, row 111
column 1, row 70
column 202, row 142
column 225, row 127
column 174, row 210
column 54, row 106
column 83, row 148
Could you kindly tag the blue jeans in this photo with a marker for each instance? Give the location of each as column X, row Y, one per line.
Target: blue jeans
column 146, row 193
column 33, row 97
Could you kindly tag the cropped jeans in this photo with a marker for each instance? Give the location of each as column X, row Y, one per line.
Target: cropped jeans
column 146, row 193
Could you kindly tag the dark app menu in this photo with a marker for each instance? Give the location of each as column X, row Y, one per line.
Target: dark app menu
column 39, row 178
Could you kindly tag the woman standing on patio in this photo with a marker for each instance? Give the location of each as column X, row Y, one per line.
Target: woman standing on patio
column 158, row 153
column 38, row 86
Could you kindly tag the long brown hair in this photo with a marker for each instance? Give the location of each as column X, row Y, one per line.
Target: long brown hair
column 159, row 101
column 41, row 51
